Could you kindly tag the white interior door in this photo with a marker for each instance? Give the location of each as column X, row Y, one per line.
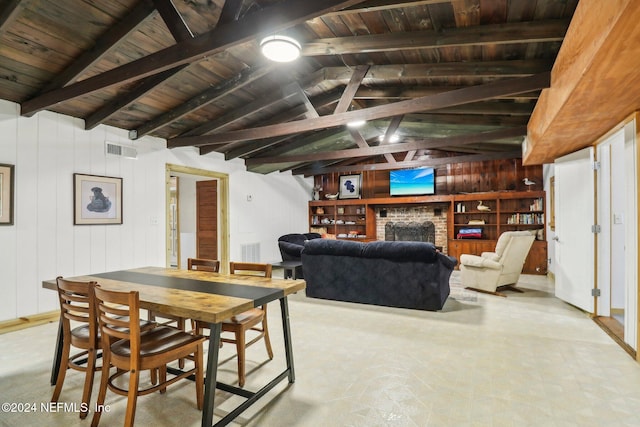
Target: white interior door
column 574, row 208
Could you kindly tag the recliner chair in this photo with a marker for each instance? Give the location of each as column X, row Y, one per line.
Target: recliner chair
column 291, row 245
column 494, row 271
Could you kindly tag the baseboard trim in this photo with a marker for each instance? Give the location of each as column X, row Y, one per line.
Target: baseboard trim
column 616, row 332
column 29, row 321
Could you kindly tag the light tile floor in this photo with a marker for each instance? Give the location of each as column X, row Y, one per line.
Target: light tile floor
column 525, row 360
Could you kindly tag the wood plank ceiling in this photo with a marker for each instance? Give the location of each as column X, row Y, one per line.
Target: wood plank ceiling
column 437, row 81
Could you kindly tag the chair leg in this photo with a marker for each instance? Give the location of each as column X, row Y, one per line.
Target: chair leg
column 267, row 341
column 88, row 382
column 180, row 323
column 199, row 374
column 163, row 378
column 240, row 348
column 132, row 397
column 62, row 371
column 102, row 393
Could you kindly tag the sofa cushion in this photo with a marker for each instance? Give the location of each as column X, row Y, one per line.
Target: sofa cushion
column 400, row 251
column 333, row 247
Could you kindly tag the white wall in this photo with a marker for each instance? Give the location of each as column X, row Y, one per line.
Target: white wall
column 48, row 148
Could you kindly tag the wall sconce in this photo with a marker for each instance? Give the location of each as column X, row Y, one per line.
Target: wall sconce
column 280, row 48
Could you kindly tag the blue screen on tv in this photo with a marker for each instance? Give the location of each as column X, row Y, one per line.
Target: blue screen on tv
column 408, row 182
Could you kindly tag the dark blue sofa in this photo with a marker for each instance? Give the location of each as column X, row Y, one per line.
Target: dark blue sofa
column 395, row 274
column 291, row 245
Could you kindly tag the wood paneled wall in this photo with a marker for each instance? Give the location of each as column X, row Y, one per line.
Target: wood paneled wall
column 454, row 178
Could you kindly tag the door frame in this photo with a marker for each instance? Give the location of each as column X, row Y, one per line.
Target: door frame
column 223, row 208
column 631, row 128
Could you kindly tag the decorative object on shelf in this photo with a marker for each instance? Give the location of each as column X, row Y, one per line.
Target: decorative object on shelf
column 470, row 233
column 482, row 207
column 331, row 196
column 97, row 199
column 476, row 222
column 528, row 183
column 320, row 210
column 7, row 173
column 350, row 186
column 316, row 192
column 340, row 210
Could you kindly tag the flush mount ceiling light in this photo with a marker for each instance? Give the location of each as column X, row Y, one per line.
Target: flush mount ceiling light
column 280, row 48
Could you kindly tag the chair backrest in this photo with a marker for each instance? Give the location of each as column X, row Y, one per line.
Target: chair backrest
column 202, row 264
column 250, row 268
column 77, row 304
column 512, row 248
column 119, row 318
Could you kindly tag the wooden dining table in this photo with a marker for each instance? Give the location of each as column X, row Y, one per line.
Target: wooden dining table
column 208, row 297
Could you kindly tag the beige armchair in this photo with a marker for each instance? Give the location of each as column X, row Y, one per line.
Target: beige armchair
column 494, row 271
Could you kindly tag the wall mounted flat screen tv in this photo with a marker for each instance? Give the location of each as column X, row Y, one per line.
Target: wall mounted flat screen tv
column 412, row 182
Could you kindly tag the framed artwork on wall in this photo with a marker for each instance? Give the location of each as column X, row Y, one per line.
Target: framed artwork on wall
column 350, row 186
column 96, row 199
column 6, row 194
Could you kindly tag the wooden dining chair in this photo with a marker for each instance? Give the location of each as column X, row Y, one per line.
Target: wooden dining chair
column 131, row 351
column 202, row 264
column 246, row 321
column 199, row 264
column 77, row 305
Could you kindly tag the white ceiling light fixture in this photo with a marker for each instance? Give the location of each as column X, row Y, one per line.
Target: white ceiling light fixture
column 280, row 48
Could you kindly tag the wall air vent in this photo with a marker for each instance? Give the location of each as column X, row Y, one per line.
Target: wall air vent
column 120, row 150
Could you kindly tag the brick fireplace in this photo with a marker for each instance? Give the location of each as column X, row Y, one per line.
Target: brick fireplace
column 434, row 212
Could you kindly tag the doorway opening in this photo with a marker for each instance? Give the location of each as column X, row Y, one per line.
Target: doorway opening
column 182, row 207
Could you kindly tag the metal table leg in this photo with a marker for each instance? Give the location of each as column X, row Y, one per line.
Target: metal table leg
column 57, row 354
column 284, row 309
column 212, row 371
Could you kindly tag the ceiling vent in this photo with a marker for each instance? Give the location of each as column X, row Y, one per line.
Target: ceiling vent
column 121, row 150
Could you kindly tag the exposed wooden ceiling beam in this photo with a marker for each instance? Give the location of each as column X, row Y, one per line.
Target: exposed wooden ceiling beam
column 245, row 77
column 278, row 17
column 352, row 87
column 180, row 32
column 427, row 143
column 9, row 12
column 389, row 133
column 448, row 99
column 408, row 92
column 243, row 148
column 374, row 5
column 138, row 90
column 236, row 114
column 412, row 72
column 230, row 11
column 521, row 32
column 294, row 113
column 173, row 20
column 107, row 41
column 412, row 164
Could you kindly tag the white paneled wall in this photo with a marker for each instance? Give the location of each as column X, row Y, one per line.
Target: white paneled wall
column 48, row 148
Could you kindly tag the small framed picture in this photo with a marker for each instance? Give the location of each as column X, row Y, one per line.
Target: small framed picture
column 97, row 199
column 6, row 194
column 350, row 186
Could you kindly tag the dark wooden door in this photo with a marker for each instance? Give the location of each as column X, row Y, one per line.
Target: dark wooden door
column 207, row 219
